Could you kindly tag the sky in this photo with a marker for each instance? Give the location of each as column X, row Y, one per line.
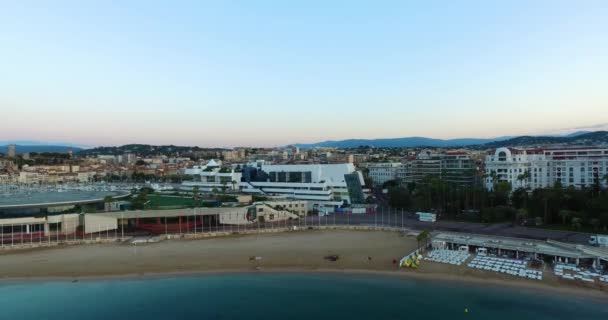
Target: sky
column 271, row 73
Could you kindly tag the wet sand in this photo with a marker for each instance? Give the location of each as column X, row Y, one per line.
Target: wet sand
column 302, row 251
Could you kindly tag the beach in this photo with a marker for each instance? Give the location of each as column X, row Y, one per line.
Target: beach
column 302, row 251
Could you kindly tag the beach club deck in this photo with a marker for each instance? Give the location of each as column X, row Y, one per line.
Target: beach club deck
column 519, row 248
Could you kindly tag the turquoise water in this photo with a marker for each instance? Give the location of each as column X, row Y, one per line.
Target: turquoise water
column 284, row 296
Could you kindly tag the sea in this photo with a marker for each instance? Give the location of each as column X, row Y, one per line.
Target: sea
column 286, row 296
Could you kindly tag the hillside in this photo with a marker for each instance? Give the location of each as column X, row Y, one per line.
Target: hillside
column 584, row 139
column 144, row 150
column 400, row 142
column 577, row 138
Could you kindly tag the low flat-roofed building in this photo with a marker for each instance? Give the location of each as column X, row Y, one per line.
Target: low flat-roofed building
column 519, row 246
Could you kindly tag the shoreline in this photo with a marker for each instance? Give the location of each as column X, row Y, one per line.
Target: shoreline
column 283, row 253
column 401, row 274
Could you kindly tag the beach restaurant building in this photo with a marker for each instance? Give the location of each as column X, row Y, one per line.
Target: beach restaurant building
column 519, row 248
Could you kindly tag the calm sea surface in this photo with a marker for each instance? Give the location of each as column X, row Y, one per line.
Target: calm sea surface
column 285, row 296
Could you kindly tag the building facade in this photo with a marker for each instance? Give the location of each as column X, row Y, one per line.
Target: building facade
column 541, row 168
column 324, row 186
column 455, row 167
column 213, row 177
column 382, row 172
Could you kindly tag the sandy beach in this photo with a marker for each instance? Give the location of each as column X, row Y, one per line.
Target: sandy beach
column 302, row 251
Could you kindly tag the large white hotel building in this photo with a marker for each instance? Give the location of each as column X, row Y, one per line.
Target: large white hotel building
column 578, row 167
column 323, row 186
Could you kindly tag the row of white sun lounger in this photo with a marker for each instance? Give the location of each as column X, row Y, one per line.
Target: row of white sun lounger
column 448, row 256
column 576, row 277
column 576, row 273
column 512, row 267
column 569, row 267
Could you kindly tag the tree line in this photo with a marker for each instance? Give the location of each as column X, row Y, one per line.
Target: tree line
column 566, row 207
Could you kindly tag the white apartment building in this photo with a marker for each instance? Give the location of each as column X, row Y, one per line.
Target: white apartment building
column 541, row 168
column 212, row 176
column 381, row 172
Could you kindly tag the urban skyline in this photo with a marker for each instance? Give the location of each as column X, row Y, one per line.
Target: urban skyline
column 235, row 74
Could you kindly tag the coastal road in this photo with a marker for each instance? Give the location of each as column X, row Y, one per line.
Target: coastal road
column 397, row 219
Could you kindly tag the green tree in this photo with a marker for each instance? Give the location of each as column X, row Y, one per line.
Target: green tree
column 140, row 201
column 370, row 200
column 423, row 237
column 565, row 214
column 501, row 193
column 390, row 184
column 399, row 198
column 196, row 192
column 519, row 198
column 522, row 214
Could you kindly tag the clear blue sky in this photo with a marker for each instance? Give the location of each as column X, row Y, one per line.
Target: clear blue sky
column 229, row 73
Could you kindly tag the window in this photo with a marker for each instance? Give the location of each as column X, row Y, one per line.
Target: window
column 307, row 177
column 282, row 177
column 273, row 177
column 295, row 177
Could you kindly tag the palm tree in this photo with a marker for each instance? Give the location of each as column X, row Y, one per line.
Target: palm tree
column 523, row 177
column 423, row 237
column 492, row 175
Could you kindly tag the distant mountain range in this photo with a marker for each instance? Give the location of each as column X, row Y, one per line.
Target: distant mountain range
column 575, row 138
column 579, row 138
column 19, row 149
column 400, row 143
